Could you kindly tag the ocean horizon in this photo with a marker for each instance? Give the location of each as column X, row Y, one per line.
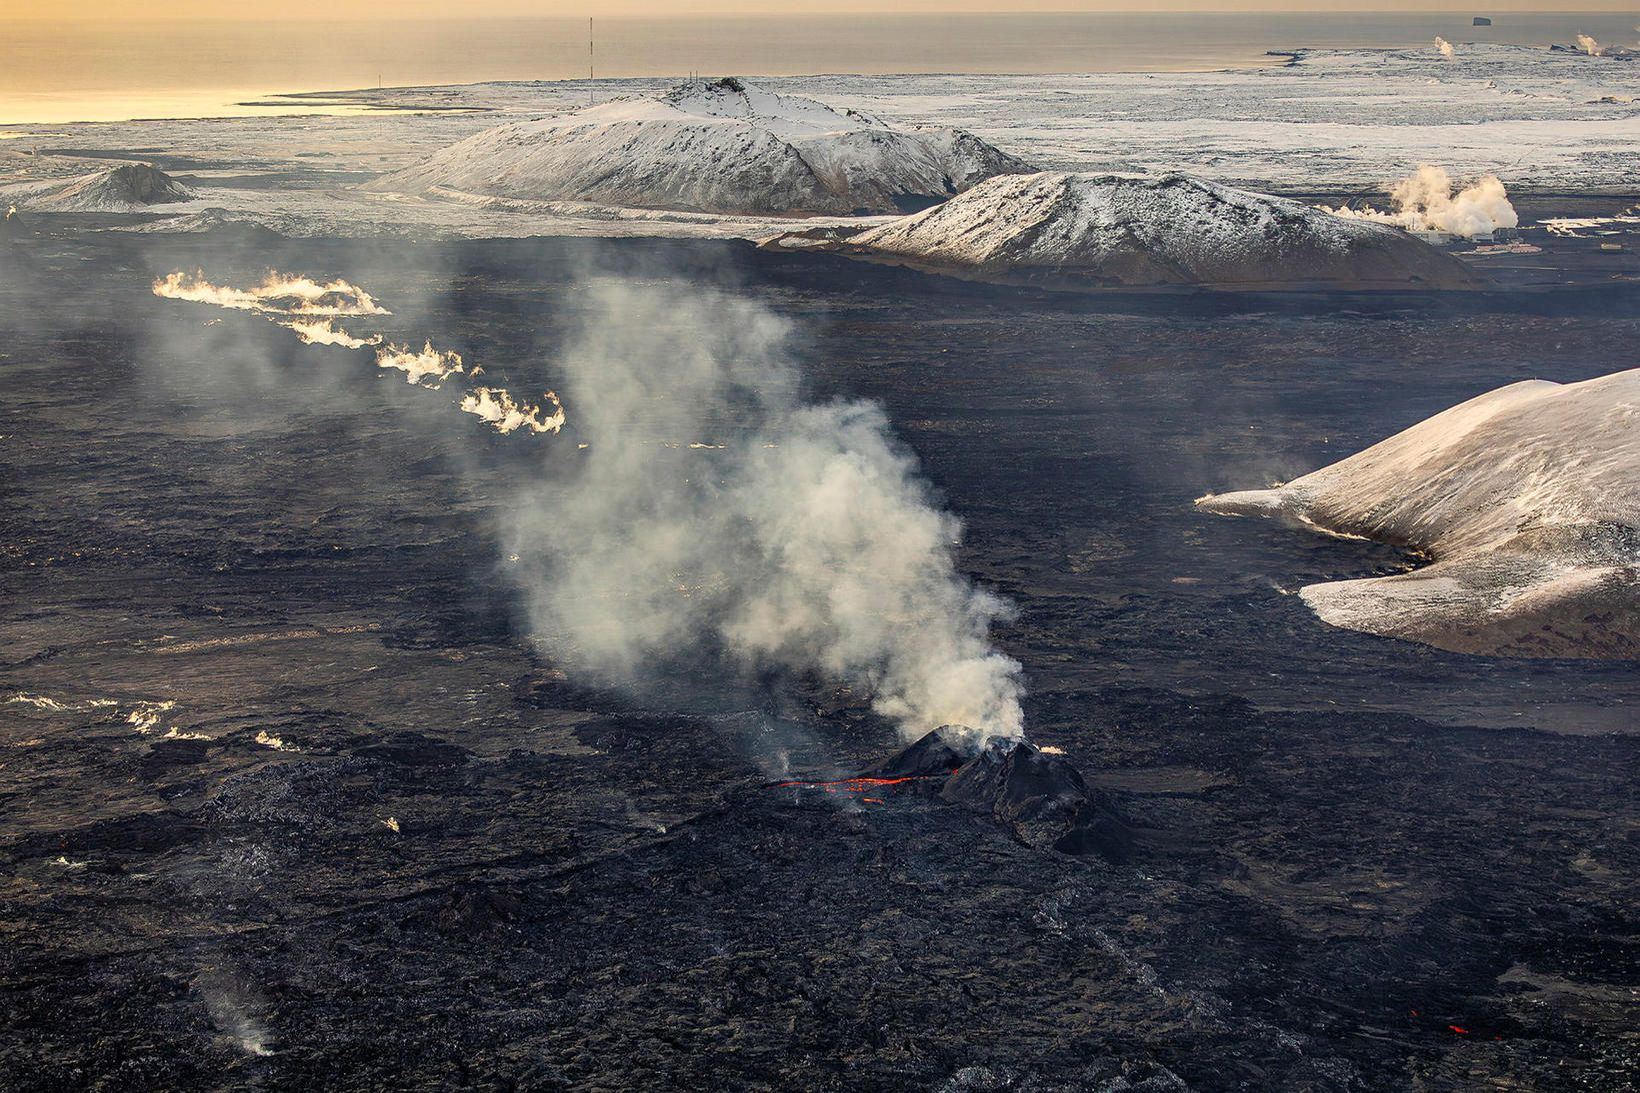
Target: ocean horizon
column 58, row 72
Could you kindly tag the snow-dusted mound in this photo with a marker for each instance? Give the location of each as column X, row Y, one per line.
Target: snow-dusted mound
column 1528, row 501
column 724, row 147
column 1170, row 230
column 130, row 187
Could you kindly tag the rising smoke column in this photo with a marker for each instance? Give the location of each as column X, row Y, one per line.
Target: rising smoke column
column 714, row 509
column 1444, row 47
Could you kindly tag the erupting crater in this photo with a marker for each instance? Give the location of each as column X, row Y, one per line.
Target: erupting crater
column 1038, row 797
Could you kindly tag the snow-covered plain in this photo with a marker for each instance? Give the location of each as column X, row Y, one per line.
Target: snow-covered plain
column 1526, row 501
column 1344, row 122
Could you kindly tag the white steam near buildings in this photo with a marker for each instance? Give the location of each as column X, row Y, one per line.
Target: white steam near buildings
column 1429, row 201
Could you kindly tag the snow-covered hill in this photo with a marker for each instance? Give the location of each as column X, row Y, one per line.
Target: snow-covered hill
column 1527, row 499
column 1171, row 230
column 721, row 147
column 130, row 187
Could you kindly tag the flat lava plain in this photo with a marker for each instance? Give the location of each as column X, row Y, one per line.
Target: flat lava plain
column 388, row 845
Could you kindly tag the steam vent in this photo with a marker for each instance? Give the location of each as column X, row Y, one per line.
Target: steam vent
column 1040, row 798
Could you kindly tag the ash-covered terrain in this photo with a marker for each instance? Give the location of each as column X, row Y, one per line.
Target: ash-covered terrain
column 297, row 796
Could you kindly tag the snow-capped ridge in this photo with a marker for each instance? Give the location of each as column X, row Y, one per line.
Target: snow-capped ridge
column 734, row 99
column 1173, row 229
column 724, row 146
column 129, row 187
column 1527, row 498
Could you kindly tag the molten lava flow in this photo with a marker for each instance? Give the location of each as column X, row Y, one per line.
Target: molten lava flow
column 497, row 407
column 325, row 332
column 279, row 293
column 430, row 363
column 861, row 786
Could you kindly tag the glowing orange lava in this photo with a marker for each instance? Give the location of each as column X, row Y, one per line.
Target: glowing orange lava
column 861, row 785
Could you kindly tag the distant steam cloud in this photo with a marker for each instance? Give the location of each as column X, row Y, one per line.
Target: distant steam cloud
column 1425, row 201
column 1589, row 45
column 1444, row 47
column 808, row 544
column 326, row 332
column 279, row 293
column 497, row 407
column 428, row 363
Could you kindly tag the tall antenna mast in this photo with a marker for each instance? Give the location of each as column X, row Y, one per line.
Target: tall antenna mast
column 589, row 61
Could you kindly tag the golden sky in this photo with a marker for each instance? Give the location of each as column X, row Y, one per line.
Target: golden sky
column 153, row 10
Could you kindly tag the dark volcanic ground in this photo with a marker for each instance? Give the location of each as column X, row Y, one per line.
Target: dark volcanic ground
column 1360, row 863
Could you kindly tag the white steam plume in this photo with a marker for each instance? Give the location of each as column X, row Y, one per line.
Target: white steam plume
column 1589, row 45
column 807, row 543
column 279, row 293
column 497, row 407
column 418, row 366
column 1444, row 47
column 1425, row 201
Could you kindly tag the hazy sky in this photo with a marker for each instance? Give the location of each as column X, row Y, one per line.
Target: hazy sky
column 123, row 10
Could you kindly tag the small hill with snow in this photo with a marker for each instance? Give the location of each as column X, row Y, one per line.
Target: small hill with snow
column 130, row 187
column 1091, row 229
column 724, row 147
column 1527, row 499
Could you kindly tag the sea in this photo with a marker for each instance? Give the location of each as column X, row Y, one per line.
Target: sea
column 57, row 72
